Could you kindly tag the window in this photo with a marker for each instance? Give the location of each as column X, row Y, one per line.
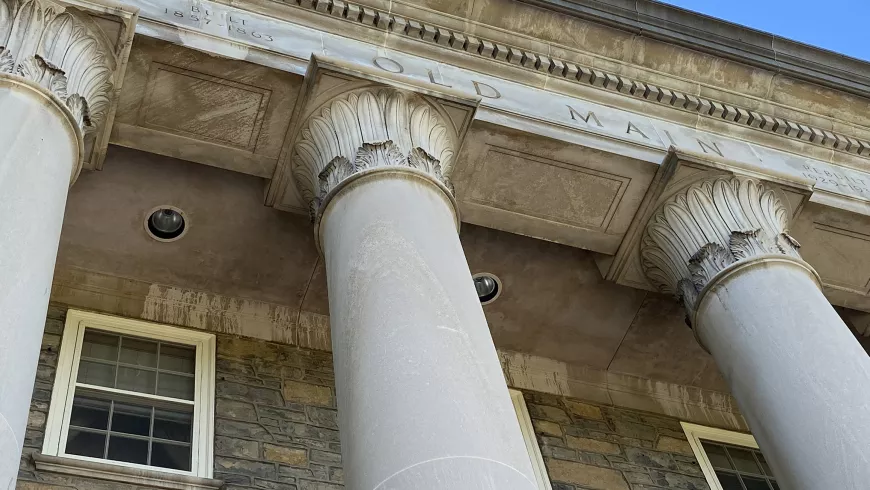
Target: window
column 133, row 393
column 730, row 460
column 530, row 440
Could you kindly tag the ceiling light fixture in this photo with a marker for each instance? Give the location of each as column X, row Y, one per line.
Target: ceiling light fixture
column 166, row 223
column 488, row 287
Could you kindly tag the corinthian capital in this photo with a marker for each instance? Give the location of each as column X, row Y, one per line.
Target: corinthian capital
column 366, row 129
column 708, row 226
column 58, row 46
column 352, row 119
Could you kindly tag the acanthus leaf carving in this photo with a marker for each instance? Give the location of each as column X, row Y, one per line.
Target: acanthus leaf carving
column 708, row 227
column 366, row 129
column 64, row 51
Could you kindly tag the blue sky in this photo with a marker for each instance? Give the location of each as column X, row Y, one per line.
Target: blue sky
column 836, row 25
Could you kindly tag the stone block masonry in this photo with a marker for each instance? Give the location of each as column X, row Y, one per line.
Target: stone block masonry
column 594, row 447
column 276, row 424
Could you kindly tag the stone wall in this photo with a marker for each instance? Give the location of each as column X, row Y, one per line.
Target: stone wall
column 594, row 447
column 276, row 428
column 275, row 418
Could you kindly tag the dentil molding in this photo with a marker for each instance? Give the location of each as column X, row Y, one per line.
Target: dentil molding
column 60, row 47
column 707, row 227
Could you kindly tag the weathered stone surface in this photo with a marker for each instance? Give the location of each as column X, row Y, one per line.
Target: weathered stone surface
column 593, row 445
column 547, row 428
column 651, row 459
column 592, row 477
column 548, row 413
column 608, row 448
column 285, row 455
column 674, row 445
column 584, row 410
column 240, row 448
column 308, row 393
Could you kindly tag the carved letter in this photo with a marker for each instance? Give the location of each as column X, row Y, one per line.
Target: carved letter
column 392, row 65
column 585, row 119
column 671, row 138
column 490, row 93
column 432, row 79
column 714, row 148
column 632, row 127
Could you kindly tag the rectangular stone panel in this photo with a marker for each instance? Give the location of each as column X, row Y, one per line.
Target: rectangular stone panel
column 193, row 104
column 835, row 252
column 547, row 189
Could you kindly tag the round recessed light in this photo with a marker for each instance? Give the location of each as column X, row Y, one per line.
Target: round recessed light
column 166, row 223
column 488, row 287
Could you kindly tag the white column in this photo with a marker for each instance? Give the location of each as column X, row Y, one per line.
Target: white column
column 799, row 376
column 421, row 396
column 55, row 82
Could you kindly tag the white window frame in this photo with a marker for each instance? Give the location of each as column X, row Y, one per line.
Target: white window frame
column 202, row 442
column 531, row 441
column 696, row 432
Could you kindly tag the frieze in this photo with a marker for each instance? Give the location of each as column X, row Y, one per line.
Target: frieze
column 564, row 69
column 504, row 97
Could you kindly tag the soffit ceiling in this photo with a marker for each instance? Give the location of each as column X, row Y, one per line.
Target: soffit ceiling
column 555, row 303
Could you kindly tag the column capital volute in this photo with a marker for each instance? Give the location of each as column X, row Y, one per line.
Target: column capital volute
column 58, row 47
column 710, row 217
column 351, row 120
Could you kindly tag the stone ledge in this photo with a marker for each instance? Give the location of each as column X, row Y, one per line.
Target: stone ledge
column 123, row 474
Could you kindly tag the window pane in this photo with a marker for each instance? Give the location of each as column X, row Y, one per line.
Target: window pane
column 139, row 352
column 85, row 443
column 127, row 449
column 89, row 412
column 729, row 482
column 131, row 419
column 755, row 483
column 175, row 386
column 716, row 454
column 175, row 426
column 170, row 456
column 99, row 345
column 133, row 379
column 774, row 485
column 764, row 464
column 177, row 358
column 94, row 373
column 744, row 460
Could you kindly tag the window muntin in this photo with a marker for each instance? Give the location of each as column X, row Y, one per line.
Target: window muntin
column 739, row 468
column 730, row 460
column 134, row 394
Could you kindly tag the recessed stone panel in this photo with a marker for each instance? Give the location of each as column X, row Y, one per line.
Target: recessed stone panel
column 186, row 104
column 832, row 252
column 193, row 104
column 546, row 188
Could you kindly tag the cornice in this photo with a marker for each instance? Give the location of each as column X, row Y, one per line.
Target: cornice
column 674, row 25
column 571, row 71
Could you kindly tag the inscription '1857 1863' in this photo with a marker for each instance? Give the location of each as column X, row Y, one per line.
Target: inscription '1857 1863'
column 234, row 23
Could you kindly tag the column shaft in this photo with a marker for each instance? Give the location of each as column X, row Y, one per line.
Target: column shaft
column 799, row 376
column 422, row 399
column 40, row 151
